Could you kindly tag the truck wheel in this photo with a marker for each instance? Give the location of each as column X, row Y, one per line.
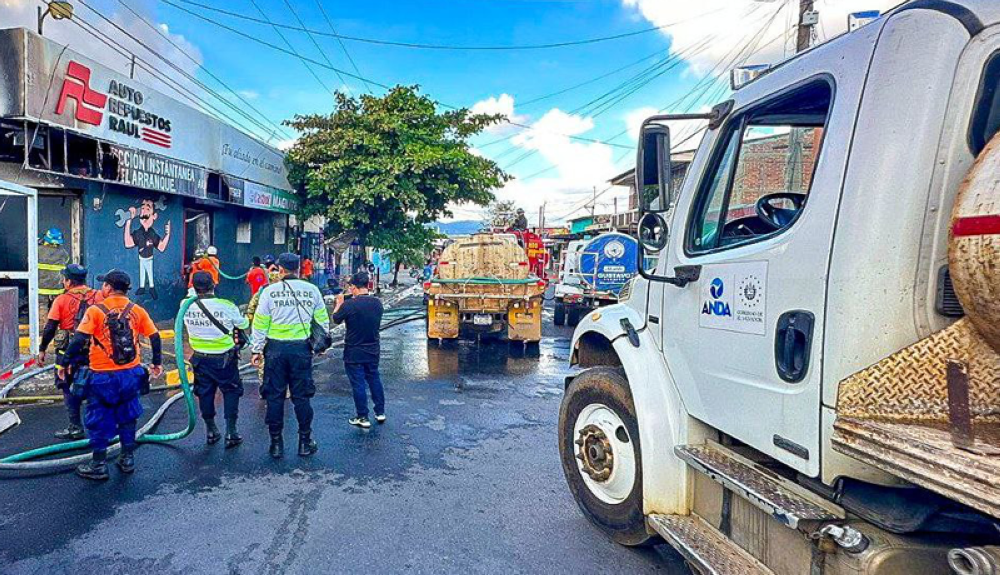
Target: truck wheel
column 573, row 317
column 559, row 316
column 601, row 456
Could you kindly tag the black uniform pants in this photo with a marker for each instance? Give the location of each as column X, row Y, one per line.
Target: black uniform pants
column 217, row 372
column 288, row 366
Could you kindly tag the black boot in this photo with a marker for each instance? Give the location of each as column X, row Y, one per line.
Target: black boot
column 152, row 292
column 232, row 437
column 307, row 445
column 96, row 468
column 277, row 449
column 212, row 432
column 71, row 433
column 140, row 291
column 126, row 461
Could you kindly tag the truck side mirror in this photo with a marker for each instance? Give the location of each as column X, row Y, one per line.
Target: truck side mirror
column 653, row 181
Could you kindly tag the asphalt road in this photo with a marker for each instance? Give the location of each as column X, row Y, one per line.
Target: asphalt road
column 463, row 478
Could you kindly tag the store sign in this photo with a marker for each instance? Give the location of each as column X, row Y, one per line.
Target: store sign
column 263, row 197
column 58, row 86
column 152, row 172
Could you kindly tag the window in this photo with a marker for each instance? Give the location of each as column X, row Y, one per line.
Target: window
column 986, row 114
column 761, row 174
column 243, row 231
column 280, row 224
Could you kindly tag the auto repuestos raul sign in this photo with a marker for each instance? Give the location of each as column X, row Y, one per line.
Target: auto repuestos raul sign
column 54, row 85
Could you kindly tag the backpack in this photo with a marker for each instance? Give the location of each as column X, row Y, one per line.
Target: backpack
column 119, row 326
column 81, row 310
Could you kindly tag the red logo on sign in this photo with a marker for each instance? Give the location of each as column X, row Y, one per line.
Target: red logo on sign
column 76, row 86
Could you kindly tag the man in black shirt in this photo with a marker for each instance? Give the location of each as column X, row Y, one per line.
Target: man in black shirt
column 363, row 315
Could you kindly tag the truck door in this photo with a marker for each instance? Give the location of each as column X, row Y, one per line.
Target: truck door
column 742, row 340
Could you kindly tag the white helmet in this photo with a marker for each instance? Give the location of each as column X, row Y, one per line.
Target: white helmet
column 213, row 251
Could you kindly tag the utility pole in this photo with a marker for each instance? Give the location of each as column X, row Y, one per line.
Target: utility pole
column 131, row 69
column 807, row 20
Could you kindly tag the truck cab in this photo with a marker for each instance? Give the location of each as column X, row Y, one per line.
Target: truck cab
column 809, row 242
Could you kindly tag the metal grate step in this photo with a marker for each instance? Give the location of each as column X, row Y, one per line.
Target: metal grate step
column 708, row 551
column 785, row 501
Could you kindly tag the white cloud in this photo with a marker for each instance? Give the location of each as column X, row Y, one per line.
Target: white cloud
column 710, row 31
column 503, row 105
column 249, row 94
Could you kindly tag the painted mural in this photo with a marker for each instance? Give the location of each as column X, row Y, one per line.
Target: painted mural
column 145, row 238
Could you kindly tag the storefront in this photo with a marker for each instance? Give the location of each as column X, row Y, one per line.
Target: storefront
column 130, row 178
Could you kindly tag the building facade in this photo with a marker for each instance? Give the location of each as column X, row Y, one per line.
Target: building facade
column 132, row 179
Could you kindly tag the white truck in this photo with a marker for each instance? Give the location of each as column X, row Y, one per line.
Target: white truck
column 807, row 382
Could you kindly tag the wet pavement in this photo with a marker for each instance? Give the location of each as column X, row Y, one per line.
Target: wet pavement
column 464, row 477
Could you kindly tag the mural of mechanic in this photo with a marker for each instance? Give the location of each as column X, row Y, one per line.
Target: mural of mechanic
column 146, row 239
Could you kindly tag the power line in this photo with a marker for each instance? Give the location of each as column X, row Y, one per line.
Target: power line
column 296, row 52
column 315, row 62
column 425, row 46
column 127, row 53
column 201, row 66
column 322, row 52
column 342, row 45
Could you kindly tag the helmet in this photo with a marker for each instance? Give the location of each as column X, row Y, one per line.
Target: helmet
column 199, row 253
column 212, row 251
column 520, row 210
column 53, row 236
column 268, row 259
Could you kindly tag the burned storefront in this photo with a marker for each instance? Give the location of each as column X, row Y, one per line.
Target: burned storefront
column 130, row 178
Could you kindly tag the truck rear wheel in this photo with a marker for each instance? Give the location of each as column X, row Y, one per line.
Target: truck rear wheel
column 601, row 456
column 559, row 316
column 574, row 315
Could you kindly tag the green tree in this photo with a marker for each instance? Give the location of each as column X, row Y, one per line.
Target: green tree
column 386, row 166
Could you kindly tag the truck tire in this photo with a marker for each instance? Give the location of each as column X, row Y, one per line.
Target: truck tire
column 597, row 416
column 573, row 317
column 559, row 315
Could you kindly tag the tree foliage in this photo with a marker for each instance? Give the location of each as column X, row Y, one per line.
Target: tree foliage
column 386, row 166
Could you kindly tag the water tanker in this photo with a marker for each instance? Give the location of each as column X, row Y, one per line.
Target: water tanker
column 593, row 274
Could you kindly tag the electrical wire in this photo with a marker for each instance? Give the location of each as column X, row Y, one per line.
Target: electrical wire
column 121, row 49
column 426, row 46
column 343, row 46
column 296, row 52
column 322, row 52
column 202, row 67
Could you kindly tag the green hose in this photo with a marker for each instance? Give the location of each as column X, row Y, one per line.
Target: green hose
column 227, row 276
column 145, row 438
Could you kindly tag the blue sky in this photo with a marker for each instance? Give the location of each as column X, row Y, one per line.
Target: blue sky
column 551, row 168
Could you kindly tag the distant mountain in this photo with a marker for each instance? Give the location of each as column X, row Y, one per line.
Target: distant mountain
column 457, row 228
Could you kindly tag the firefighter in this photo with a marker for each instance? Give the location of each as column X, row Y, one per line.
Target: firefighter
column 281, row 328
column 64, row 316
column 212, row 326
column 52, row 260
column 521, row 221
column 113, row 328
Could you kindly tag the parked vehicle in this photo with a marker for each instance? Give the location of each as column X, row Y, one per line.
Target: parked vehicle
column 792, row 388
column 483, row 286
column 592, row 275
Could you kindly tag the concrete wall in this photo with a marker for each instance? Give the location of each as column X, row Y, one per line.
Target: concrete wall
column 104, row 244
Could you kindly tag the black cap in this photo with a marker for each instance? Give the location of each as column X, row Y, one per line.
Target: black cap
column 202, row 281
column 289, row 261
column 117, row 279
column 75, row 272
column 360, row 280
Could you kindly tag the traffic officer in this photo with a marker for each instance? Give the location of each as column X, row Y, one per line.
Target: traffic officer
column 64, row 316
column 281, row 328
column 273, row 277
column 211, row 324
column 116, row 377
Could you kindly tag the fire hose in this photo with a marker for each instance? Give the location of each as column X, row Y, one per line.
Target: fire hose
column 31, row 461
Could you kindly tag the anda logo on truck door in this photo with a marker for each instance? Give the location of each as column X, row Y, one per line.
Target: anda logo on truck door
column 733, row 297
column 122, row 106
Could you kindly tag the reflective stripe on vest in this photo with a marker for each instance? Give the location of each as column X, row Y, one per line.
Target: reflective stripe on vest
column 51, row 267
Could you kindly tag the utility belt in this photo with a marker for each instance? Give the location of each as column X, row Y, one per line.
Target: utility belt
column 81, row 385
column 226, row 356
